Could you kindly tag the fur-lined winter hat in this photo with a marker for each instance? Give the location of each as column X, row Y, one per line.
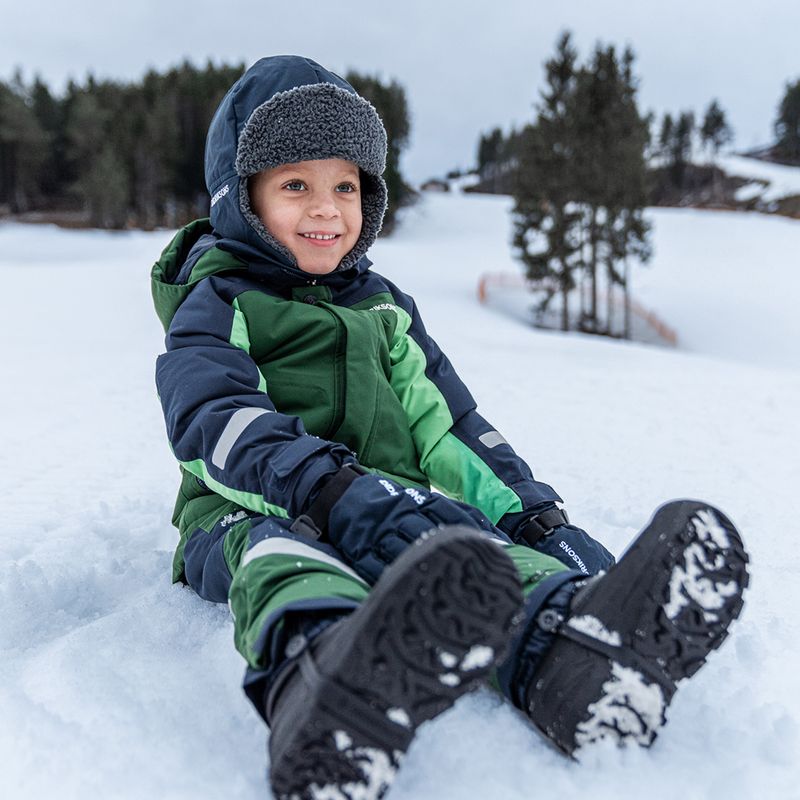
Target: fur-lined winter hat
column 310, row 122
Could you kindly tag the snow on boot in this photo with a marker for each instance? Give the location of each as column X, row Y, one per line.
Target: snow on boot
column 630, row 634
column 345, row 708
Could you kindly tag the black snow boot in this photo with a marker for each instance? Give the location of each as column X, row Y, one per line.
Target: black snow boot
column 345, row 708
column 608, row 651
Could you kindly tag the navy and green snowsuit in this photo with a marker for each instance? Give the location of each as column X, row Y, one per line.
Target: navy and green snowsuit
column 272, row 380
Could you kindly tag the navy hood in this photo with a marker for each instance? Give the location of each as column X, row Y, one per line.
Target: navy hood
column 231, row 217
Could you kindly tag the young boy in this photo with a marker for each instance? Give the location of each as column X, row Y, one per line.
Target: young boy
column 311, row 413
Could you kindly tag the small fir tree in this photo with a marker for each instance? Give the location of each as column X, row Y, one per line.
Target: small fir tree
column 787, row 125
column 665, row 137
column 715, row 132
column 582, row 180
column 546, row 226
column 680, row 149
column 489, row 151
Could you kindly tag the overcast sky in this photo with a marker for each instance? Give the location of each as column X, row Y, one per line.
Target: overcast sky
column 466, row 67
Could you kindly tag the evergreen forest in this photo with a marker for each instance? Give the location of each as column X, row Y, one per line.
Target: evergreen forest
column 111, row 154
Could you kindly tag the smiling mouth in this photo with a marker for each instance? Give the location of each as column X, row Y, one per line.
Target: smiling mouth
column 321, row 239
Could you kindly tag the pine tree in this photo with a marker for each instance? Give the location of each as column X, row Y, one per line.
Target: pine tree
column 715, row 132
column 49, row 113
column 787, row 125
column 490, row 157
column 582, row 179
column 665, row 137
column 546, row 225
column 489, row 148
column 86, row 139
column 595, row 106
column 680, row 148
column 626, row 234
column 23, row 147
column 150, row 141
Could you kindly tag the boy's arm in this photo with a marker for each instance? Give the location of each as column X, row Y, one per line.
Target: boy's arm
column 459, row 451
column 222, row 425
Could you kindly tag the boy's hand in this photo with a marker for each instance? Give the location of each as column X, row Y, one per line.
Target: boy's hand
column 575, row 548
column 548, row 531
column 375, row 519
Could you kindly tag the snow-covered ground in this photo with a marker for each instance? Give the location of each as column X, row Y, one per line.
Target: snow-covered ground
column 782, row 180
column 114, row 683
column 726, row 282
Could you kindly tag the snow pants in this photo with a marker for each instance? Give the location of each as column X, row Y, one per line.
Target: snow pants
column 277, row 583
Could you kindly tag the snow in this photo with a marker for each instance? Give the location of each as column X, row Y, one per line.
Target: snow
column 464, row 182
column 694, row 578
column 478, row 656
column 399, row 716
column 629, row 709
column 750, row 191
column 448, row 660
column 783, row 180
column 725, row 281
column 115, row 683
column 592, row 626
column 376, row 766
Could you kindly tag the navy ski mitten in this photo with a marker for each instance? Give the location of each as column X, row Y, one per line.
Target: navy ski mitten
column 371, row 520
column 549, row 531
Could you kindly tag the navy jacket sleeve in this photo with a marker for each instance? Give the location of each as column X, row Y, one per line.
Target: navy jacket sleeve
column 221, row 423
column 460, row 452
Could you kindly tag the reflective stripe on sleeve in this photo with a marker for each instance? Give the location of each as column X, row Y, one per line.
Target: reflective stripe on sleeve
column 492, row 439
column 233, row 430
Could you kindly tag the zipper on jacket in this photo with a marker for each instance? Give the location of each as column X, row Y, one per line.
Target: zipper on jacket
column 339, row 375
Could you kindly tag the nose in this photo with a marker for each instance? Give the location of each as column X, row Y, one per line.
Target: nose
column 323, row 205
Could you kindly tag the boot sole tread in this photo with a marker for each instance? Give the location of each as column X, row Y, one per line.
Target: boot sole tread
column 662, row 610
column 403, row 658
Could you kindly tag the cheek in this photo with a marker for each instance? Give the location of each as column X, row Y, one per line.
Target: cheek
column 258, row 198
column 280, row 222
column 356, row 221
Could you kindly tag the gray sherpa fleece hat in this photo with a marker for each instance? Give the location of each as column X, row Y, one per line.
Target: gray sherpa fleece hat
column 311, row 122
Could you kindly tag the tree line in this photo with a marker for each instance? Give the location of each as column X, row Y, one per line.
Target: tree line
column 130, row 154
column 674, row 177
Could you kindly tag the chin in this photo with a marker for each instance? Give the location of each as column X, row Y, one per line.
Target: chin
column 318, row 269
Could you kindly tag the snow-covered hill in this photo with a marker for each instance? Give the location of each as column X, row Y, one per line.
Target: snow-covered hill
column 768, row 181
column 113, row 683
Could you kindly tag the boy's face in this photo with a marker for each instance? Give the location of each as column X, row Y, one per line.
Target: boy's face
column 320, row 198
